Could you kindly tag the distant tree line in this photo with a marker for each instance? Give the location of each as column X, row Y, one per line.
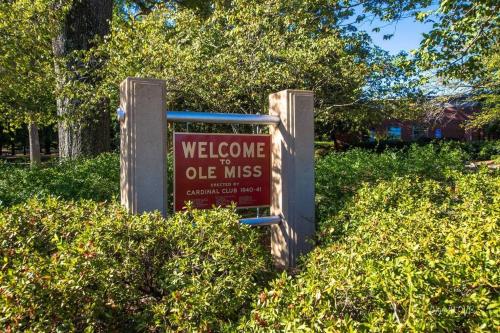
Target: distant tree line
column 16, row 141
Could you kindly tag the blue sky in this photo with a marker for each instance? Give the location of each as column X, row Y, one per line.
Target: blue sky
column 407, row 35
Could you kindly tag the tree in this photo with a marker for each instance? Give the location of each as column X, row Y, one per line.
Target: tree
column 462, row 48
column 84, row 125
column 223, row 56
column 231, row 57
column 26, row 76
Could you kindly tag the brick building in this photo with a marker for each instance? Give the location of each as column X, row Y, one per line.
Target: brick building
column 447, row 124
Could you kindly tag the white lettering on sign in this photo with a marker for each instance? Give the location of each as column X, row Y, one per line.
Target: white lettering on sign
column 242, row 172
column 202, row 146
column 199, row 173
column 188, row 149
column 202, row 192
column 235, row 150
column 223, row 149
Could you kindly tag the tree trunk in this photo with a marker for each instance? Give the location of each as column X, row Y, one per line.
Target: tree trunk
column 34, row 138
column 47, row 139
column 1, row 140
column 88, row 134
column 333, row 137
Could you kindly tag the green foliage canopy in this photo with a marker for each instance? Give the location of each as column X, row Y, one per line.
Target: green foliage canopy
column 27, row 82
column 232, row 57
column 463, row 46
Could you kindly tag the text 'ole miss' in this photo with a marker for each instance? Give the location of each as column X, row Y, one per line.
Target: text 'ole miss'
column 223, row 150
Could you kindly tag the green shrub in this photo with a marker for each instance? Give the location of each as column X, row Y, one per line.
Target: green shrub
column 340, row 175
column 489, row 149
column 479, row 150
column 91, row 267
column 95, row 178
column 408, row 241
column 416, row 255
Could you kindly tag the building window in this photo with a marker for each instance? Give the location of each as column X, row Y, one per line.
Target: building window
column 438, row 134
column 394, row 133
column 372, row 136
column 418, row 132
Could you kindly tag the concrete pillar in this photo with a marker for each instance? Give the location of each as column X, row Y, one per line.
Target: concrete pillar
column 292, row 175
column 143, row 146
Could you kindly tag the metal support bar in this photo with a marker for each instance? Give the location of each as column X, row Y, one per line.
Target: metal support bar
column 221, row 118
column 260, row 221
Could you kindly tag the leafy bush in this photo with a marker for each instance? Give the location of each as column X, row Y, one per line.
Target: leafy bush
column 87, row 266
column 416, row 255
column 477, row 150
column 340, row 175
column 95, row 178
column 408, row 241
column 480, row 150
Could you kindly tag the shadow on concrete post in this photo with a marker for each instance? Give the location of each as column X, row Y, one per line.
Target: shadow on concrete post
column 143, row 146
column 292, row 185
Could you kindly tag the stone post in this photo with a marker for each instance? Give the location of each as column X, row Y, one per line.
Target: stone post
column 292, row 175
column 143, row 146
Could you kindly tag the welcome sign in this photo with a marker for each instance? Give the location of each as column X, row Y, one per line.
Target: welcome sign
column 217, row 169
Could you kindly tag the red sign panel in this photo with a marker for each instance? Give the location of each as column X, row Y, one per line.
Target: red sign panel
column 217, row 169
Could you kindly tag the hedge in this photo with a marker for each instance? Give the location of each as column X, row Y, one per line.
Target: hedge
column 95, row 178
column 91, row 267
column 412, row 254
column 476, row 150
column 407, row 241
column 340, row 175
